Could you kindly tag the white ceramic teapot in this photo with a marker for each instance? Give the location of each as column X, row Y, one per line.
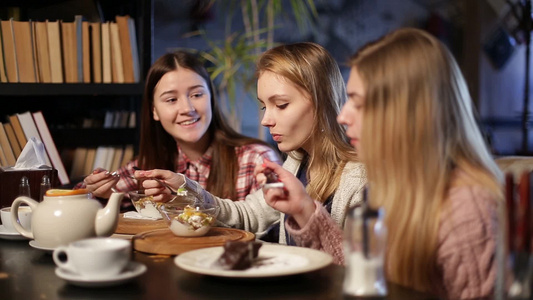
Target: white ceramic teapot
column 66, row 216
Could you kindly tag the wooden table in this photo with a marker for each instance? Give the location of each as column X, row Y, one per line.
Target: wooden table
column 27, row 273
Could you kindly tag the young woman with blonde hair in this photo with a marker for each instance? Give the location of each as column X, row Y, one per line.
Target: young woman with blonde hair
column 410, row 116
column 300, row 89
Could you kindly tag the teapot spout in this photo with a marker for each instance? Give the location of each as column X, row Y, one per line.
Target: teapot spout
column 107, row 218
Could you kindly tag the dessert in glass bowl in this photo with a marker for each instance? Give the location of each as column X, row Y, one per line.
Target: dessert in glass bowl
column 144, row 204
column 188, row 220
column 147, row 207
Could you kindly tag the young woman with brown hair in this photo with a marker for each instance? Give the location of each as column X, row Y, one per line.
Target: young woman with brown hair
column 183, row 130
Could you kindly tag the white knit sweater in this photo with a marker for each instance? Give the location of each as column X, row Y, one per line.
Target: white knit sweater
column 255, row 215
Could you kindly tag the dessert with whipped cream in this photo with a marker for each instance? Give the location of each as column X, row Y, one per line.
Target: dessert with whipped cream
column 191, row 221
column 146, row 206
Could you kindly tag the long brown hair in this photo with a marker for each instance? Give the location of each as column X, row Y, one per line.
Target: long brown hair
column 311, row 69
column 418, row 129
column 158, row 149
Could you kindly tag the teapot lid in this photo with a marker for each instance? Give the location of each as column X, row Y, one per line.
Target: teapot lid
column 66, row 192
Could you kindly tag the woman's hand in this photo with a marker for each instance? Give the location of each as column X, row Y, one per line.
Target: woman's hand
column 100, row 182
column 292, row 199
column 154, row 188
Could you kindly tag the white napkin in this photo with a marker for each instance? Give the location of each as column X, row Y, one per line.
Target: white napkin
column 33, row 156
column 137, row 216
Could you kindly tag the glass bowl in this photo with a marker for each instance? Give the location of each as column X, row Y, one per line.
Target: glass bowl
column 144, row 204
column 188, row 220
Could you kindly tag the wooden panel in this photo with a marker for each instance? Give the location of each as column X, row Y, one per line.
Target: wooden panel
column 135, row 226
column 10, row 181
column 163, row 241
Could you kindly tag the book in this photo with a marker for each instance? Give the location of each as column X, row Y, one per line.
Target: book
column 134, row 50
column 43, row 55
column 3, row 159
column 6, row 147
column 3, row 76
column 124, row 118
column 110, row 154
column 30, row 130
column 107, row 76
column 50, row 147
column 56, row 55
column 117, row 158
column 96, row 51
column 34, row 52
column 125, row 46
column 69, row 49
column 78, row 33
column 24, row 51
column 86, row 52
column 132, row 121
column 78, row 161
column 10, row 57
column 117, row 69
column 19, row 133
column 128, row 155
column 15, row 146
column 89, row 161
column 100, row 158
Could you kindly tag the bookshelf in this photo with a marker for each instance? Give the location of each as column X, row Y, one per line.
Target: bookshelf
column 66, row 105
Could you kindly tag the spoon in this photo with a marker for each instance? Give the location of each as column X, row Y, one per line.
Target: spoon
column 161, row 182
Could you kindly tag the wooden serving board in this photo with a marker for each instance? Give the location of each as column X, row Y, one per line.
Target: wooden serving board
column 134, row 226
column 163, row 241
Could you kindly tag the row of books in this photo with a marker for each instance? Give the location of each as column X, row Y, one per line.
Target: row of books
column 85, row 160
column 21, row 127
column 69, row 52
column 111, row 158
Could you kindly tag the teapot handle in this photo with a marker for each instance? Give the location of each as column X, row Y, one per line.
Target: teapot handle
column 15, row 216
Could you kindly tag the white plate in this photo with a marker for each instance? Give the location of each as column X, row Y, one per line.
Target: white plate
column 273, row 260
column 35, row 245
column 133, row 270
column 8, row 235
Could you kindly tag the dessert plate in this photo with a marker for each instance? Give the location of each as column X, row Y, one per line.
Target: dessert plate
column 8, row 235
column 133, row 269
column 273, row 260
column 35, row 245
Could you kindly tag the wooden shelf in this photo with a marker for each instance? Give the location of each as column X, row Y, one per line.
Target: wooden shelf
column 71, row 89
column 86, row 137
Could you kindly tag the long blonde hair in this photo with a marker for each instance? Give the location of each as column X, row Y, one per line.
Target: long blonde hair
column 418, row 128
column 310, row 68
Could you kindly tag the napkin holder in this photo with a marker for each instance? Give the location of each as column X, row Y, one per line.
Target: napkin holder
column 10, row 180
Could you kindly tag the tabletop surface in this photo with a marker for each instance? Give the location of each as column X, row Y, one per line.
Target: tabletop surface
column 28, row 273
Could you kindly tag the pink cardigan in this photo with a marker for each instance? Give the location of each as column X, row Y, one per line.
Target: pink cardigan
column 466, row 249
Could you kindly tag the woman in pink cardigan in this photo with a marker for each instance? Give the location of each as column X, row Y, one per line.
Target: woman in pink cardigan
column 410, row 117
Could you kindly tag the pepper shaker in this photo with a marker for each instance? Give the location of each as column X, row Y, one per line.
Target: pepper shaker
column 45, row 186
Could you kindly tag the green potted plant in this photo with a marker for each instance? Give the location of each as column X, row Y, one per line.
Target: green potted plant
column 233, row 58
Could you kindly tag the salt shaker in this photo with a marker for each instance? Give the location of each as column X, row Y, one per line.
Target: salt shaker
column 24, row 187
column 365, row 237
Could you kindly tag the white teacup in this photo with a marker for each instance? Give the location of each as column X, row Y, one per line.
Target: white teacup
column 24, row 213
column 96, row 258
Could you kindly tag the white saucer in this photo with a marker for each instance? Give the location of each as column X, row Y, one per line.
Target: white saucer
column 35, row 245
column 8, row 235
column 133, row 270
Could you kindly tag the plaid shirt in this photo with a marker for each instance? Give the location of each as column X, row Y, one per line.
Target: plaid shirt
column 248, row 157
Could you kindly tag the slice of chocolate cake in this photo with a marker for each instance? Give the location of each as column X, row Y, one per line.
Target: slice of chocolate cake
column 238, row 255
